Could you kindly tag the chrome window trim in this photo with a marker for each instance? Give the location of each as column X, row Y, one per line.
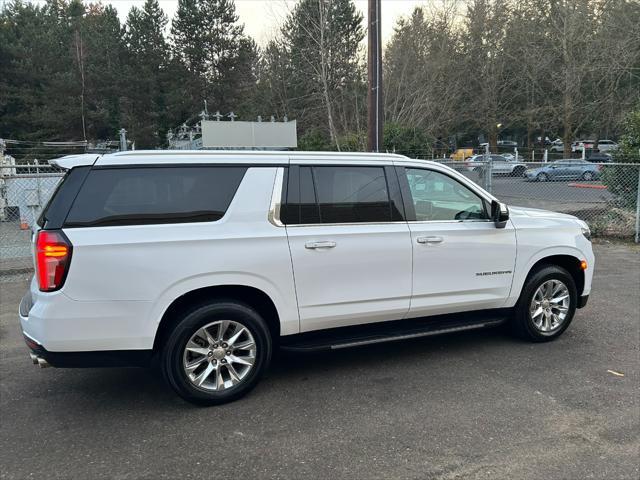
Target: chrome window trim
column 484, row 220
column 349, row 224
column 276, row 199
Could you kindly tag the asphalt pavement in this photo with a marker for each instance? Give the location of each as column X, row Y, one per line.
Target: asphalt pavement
column 479, row 405
column 561, row 196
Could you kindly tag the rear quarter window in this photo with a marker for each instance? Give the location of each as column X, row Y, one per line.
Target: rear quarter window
column 58, row 206
column 154, row 195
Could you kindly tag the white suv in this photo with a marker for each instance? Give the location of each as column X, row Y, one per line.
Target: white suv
column 203, row 262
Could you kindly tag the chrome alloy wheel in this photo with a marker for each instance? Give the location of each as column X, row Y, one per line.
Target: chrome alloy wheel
column 219, row 355
column 550, row 306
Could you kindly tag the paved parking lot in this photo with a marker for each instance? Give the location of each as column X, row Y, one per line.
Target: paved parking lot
column 466, row 406
column 560, row 196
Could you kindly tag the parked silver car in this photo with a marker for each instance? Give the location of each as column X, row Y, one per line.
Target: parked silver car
column 501, row 165
column 572, row 169
column 607, row 145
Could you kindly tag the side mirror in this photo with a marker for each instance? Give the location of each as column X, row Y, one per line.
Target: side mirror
column 499, row 213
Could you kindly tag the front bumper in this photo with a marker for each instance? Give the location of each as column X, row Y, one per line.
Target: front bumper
column 582, row 301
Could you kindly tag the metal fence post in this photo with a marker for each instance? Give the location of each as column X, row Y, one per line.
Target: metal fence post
column 123, row 139
column 638, row 209
column 488, row 169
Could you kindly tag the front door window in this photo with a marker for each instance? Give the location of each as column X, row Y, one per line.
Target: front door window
column 437, row 197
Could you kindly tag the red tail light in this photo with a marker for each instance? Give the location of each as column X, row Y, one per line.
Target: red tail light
column 53, row 256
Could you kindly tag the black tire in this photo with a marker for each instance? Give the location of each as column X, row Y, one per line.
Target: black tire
column 588, row 176
column 542, row 177
column 522, row 324
column 171, row 362
column 518, row 171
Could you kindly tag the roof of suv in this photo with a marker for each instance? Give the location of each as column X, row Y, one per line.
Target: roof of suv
column 138, row 157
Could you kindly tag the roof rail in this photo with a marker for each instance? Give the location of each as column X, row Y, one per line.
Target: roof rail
column 69, row 161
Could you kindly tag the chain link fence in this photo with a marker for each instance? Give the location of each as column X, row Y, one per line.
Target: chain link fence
column 24, row 191
column 605, row 195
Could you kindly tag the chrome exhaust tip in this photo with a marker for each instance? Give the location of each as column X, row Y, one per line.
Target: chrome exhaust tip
column 43, row 363
column 34, row 358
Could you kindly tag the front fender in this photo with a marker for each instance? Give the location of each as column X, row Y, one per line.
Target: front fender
column 527, row 259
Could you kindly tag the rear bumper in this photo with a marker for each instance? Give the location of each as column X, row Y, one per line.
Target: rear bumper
column 103, row 358
column 36, row 328
column 61, row 324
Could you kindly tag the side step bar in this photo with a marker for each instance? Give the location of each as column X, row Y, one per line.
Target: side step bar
column 355, row 336
column 393, row 338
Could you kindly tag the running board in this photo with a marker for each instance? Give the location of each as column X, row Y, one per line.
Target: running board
column 392, row 331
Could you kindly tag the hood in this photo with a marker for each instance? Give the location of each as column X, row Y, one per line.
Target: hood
column 537, row 213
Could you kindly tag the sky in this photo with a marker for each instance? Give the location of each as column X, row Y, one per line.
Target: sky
column 262, row 17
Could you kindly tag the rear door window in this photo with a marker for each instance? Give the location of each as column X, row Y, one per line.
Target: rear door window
column 352, row 194
column 154, row 195
column 345, row 194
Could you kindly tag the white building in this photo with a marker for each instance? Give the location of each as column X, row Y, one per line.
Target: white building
column 249, row 135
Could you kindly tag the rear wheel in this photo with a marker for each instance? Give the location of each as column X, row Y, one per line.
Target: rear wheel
column 518, row 171
column 546, row 305
column 216, row 353
column 587, row 176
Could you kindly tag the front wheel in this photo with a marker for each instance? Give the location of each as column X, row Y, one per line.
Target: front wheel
column 542, row 177
column 546, row 305
column 216, row 353
column 588, row 176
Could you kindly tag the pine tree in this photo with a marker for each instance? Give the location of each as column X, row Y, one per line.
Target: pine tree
column 210, row 43
column 103, row 49
column 23, row 29
column 145, row 115
column 320, row 41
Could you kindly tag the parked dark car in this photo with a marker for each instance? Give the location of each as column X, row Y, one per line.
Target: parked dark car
column 598, row 157
column 564, row 170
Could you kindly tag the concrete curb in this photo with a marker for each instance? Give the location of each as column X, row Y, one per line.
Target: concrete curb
column 7, row 272
column 16, row 266
column 587, row 185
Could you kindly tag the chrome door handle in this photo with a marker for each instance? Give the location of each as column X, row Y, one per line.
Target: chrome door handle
column 314, row 245
column 429, row 240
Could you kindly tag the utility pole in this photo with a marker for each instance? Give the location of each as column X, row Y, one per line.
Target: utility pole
column 375, row 105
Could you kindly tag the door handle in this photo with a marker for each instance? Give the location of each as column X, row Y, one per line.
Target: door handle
column 315, row 245
column 429, row 240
